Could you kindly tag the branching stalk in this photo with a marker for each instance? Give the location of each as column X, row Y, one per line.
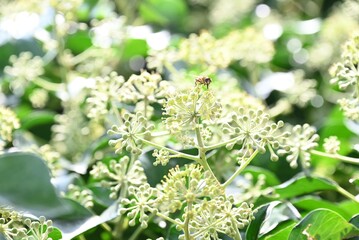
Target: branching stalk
column 336, row 156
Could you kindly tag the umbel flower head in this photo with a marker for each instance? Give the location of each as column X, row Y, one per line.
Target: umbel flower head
column 302, row 139
column 218, row 215
column 253, row 129
column 24, row 68
column 142, row 202
column 39, row 229
column 331, row 145
column 8, row 123
column 83, row 196
column 191, row 184
column 128, row 135
column 10, row 224
column 105, row 90
column 184, row 110
column 119, row 173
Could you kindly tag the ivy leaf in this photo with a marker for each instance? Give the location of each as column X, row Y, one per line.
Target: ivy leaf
column 323, row 224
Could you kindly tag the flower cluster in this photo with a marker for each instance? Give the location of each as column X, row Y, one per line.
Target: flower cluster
column 184, row 110
column 8, row 123
column 39, row 229
column 298, row 144
column 51, row 157
column 24, row 69
column 331, row 145
column 11, row 226
column 254, row 130
column 105, row 90
column 211, row 54
column 345, row 73
column 39, row 98
column 128, row 135
column 141, row 203
column 83, row 196
column 119, row 173
column 145, row 89
column 190, row 185
column 219, row 215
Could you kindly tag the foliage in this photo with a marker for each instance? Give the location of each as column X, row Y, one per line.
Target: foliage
column 174, row 119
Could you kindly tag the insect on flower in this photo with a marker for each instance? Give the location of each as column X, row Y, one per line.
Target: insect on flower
column 203, row 80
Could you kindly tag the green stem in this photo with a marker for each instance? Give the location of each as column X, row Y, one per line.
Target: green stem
column 336, row 156
column 218, row 145
column 160, row 134
column 202, row 153
column 187, row 234
column 50, row 86
column 167, row 218
column 179, row 154
column 240, row 169
column 347, row 194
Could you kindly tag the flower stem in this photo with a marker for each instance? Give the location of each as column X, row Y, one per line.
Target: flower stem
column 240, row 169
column 218, row 145
column 336, row 156
column 202, row 153
column 179, row 154
column 187, row 234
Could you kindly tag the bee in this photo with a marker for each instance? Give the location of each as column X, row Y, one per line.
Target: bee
column 203, row 80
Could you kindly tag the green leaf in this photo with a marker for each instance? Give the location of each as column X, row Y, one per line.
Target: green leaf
column 310, row 203
column 268, row 217
column 301, row 185
column 55, row 234
column 135, row 47
column 25, row 185
column 281, row 232
column 323, row 224
column 163, row 12
column 36, row 118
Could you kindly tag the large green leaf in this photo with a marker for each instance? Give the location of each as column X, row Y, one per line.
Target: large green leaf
column 310, row 203
column 281, row 233
column 323, row 224
column 25, row 185
column 301, row 185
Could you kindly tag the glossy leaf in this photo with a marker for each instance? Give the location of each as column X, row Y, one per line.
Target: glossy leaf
column 323, row 224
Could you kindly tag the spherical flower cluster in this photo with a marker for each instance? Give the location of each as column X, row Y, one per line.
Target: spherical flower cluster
column 10, row 224
column 350, row 108
column 158, row 59
column 108, row 32
column 204, row 50
column 331, row 145
column 303, row 90
column 68, row 8
column 162, row 157
column 39, row 229
column 250, row 46
column 142, row 202
column 302, row 139
column 51, row 157
column 118, row 174
column 8, row 123
column 190, row 185
column 145, row 89
column 185, row 109
column 219, row 215
column 83, row 196
column 254, row 130
column 105, row 90
column 39, row 98
column 24, row 68
column 345, row 73
column 128, row 135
